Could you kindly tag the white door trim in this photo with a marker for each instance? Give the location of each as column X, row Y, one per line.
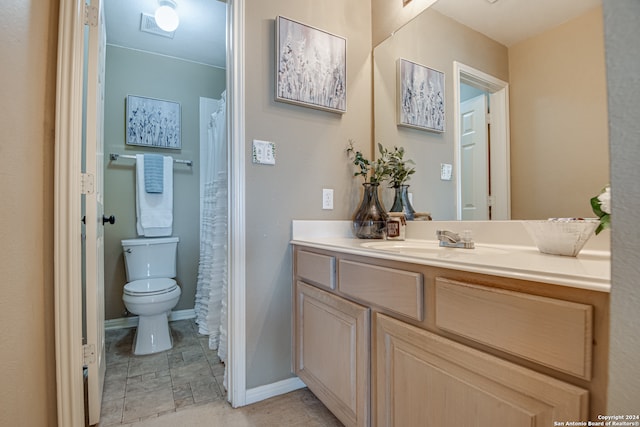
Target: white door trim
column 236, row 374
column 499, row 135
column 67, row 245
column 67, row 248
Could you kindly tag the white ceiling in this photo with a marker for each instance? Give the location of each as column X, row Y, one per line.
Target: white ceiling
column 201, row 34
column 511, row 21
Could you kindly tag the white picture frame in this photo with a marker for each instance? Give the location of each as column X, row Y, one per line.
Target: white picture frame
column 152, row 122
column 421, row 96
column 311, row 67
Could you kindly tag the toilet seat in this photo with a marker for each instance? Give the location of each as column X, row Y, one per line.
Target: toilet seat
column 150, row 287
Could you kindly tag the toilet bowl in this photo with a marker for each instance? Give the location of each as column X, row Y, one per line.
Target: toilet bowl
column 151, row 292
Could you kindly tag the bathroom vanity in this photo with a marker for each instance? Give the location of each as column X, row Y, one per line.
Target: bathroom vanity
column 409, row 334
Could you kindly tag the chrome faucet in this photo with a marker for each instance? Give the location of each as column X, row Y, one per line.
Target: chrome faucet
column 449, row 239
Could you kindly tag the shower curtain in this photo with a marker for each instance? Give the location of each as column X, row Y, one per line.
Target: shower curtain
column 211, row 290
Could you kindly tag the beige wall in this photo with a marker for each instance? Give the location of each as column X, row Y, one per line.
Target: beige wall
column 558, row 109
column 310, row 156
column 29, row 32
column 388, row 16
column 449, row 41
column 27, row 115
column 131, row 72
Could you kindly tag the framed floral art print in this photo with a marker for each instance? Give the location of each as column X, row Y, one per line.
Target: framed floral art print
column 420, row 96
column 311, row 67
column 152, row 122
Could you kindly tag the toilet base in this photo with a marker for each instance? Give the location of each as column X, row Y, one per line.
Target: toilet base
column 153, row 335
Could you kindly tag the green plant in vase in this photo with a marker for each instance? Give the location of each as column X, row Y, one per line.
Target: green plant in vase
column 399, row 172
column 601, row 205
column 370, row 219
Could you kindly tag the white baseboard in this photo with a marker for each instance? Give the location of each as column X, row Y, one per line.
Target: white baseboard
column 263, row 392
column 132, row 321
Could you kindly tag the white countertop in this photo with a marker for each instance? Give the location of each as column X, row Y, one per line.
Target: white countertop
column 591, row 269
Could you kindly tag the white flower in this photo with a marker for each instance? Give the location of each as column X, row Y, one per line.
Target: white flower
column 605, row 200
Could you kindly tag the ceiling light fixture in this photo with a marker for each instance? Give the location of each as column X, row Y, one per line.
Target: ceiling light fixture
column 166, row 15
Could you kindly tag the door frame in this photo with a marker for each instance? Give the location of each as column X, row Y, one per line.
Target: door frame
column 67, row 189
column 236, row 297
column 500, row 169
column 67, row 244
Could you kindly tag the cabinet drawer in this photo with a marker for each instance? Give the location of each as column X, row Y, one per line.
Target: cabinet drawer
column 423, row 379
column 316, row 268
column 396, row 290
column 548, row 331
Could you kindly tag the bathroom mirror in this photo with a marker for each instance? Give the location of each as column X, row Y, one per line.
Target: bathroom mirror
column 556, row 152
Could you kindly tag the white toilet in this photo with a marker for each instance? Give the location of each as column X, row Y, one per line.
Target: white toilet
column 151, row 292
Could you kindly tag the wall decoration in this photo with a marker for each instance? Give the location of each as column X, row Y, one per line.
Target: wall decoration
column 420, row 96
column 311, row 67
column 153, row 122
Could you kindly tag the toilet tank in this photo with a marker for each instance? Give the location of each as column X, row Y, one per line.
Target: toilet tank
column 150, row 258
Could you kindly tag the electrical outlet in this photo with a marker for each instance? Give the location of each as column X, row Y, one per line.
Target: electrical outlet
column 327, row 198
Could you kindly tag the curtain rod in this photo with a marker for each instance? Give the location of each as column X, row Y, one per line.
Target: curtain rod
column 116, row 156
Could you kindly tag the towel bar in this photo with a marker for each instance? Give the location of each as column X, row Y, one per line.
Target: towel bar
column 116, row 156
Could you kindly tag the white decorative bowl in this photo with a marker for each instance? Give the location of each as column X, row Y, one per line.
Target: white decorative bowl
column 561, row 236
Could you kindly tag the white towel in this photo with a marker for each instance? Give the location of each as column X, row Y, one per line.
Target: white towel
column 154, row 211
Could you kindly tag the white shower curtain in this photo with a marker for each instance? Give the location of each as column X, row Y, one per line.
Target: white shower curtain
column 211, row 290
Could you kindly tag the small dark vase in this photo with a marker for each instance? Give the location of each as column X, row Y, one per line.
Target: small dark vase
column 370, row 220
column 401, row 202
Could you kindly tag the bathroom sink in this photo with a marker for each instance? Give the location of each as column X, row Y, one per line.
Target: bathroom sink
column 428, row 248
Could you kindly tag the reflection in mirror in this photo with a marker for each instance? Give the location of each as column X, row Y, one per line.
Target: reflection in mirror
column 556, row 156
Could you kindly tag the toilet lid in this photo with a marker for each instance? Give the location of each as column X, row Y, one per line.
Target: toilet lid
column 150, row 286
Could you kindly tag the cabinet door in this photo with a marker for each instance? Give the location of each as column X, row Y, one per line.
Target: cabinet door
column 426, row 380
column 332, row 352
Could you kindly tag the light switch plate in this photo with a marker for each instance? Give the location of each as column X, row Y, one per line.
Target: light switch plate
column 445, row 171
column 264, row 152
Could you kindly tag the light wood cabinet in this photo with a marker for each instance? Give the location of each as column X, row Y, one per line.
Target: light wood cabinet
column 390, row 343
column 426, row 380
column 536, row 328
column 332, row 352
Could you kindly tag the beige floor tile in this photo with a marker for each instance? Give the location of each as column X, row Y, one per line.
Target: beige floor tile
column 183, row 387
column 138, row 406
column 111, row 412
column 114, row 388
column 190, row 373
column 182, row 396
column 206, row 390
column 148, row 386
column 139, row 365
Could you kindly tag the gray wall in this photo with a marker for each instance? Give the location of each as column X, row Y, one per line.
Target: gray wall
column 310, row 156
column 623, row 77
column 130, row 72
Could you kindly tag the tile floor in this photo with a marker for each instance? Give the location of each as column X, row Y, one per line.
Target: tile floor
column 183, row 386
column 139, row 387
